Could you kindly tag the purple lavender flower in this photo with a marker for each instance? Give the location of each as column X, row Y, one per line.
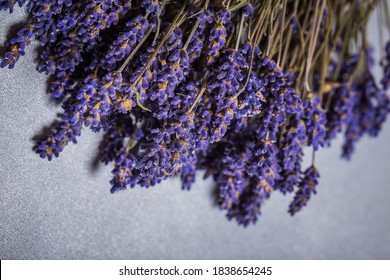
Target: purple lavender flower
column 340, row 111
column 16, row 46
column 217, row 37
column 263, row 161
column 280, row 99
column 172, row 94
column 9, row 4
column 45, row 15
column 123, row 172
column 291, row 154
column 173, row 66
column 252, row 100
column 315, row 120
column 61, row 59
column 306, row 188
column 196, row 44
column 369, row 113
column 248, row 11
column 245, row 169
column 151, row 6
column 219, row 104
column 91, row 17
column 61, row 86
column 248, row 209
column 166, row 150
column 67, row 131
column 120, row 128
column 125, row 42
column 187, row 175
column 386, row 67
column 230, row 174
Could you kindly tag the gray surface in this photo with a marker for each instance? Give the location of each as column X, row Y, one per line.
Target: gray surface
column 63, row 209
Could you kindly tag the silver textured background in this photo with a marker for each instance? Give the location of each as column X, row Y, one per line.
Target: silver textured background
column 63, row 209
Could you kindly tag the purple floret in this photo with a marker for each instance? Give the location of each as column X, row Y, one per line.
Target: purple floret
column 306, row 188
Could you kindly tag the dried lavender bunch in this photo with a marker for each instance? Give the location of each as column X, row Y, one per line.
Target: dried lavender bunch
column 237, row 88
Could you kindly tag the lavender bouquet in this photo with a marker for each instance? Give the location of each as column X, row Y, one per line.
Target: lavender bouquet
column 238, row 88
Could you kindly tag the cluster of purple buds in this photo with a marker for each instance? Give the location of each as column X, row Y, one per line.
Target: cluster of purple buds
column 306, row 188
column 182, row 86
column 10, row 4
column 362, row 105
column 386, row 67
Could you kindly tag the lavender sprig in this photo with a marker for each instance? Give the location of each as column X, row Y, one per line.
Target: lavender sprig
column 236, row 89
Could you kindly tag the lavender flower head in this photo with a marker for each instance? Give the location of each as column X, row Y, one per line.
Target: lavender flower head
column 236, row 89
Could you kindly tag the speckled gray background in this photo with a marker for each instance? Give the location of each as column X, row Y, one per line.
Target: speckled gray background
column 63, row 209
